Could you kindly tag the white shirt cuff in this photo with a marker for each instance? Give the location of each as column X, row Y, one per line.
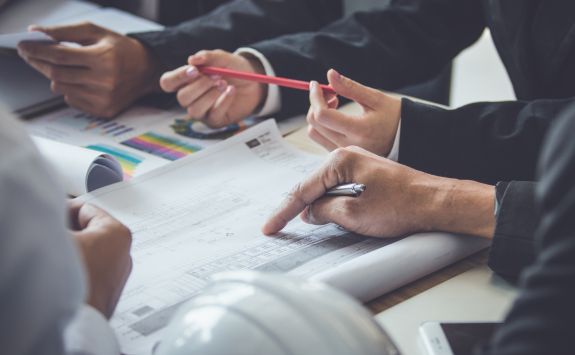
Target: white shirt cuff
column 394, row 152
column 90, row 333
column 273, row 100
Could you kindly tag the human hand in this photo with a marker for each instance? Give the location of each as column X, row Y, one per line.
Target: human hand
column 216, row 101
column 104, row 244
column 104, row 76
column 374, row 129
column 398, row 200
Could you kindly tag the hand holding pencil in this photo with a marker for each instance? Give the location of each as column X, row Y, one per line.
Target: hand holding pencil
column 216, row 100
column 222, row 88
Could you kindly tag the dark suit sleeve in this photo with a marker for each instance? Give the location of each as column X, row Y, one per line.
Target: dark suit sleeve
column 406, row 43
column 513, row 246
column 541, row 319
column 237, row 24
column 486, row 142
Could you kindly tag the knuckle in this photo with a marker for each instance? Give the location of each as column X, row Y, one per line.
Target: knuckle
column 341, row 155
column 356, row 149
column 69, row 100
column 214, row 122
column 54, row 87
column 349, row 83
column 191, row 112
column 89, row 26
column 311, row 131
column 181, row 97
column 296, row 193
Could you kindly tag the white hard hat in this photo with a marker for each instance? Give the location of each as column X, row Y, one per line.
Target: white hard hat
column 270, row 314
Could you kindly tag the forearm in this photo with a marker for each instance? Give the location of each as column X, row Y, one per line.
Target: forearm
column 459, row 206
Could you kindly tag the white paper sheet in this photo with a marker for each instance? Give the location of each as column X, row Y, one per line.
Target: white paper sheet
column 113, row 19
column 116, row 20
column 203, row 214
column 12, row 40
column 81, row 170
column 19, row 14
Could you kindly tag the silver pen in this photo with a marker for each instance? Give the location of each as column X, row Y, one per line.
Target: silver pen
column 350, row 190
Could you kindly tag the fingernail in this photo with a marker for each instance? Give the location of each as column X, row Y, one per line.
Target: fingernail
column 215, row 77
column 192, row 72
column 313, row 85
column 195, row 58
column 337, row 74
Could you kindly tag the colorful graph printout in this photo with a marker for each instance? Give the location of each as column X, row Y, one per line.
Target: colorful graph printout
column 86, row 123
column 128, row 160
column 162, row 146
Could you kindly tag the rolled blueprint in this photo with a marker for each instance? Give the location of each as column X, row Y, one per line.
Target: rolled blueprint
column 81, row 170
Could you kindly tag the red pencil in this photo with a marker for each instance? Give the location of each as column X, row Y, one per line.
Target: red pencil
column 265, row 79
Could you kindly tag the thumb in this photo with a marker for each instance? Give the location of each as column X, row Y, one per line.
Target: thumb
column 84, row 33
column 90, row 216
column 353, row 90
column 216, row 58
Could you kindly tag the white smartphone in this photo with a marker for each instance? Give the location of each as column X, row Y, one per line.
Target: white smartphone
column 455, row 338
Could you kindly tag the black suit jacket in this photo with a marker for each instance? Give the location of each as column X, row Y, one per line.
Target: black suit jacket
column 242, row 22
column 541, row 319
column 238, row 24
column 413, row 40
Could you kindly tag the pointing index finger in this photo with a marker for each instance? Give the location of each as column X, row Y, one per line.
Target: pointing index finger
column 302, row 195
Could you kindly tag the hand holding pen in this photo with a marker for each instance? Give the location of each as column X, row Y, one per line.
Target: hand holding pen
column 387, row 199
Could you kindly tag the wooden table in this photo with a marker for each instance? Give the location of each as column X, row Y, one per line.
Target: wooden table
column 300, row 139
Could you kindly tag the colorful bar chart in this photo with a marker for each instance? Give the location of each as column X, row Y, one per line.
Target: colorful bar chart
column 86, row 123
column 127, row 160
column 169, row 148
